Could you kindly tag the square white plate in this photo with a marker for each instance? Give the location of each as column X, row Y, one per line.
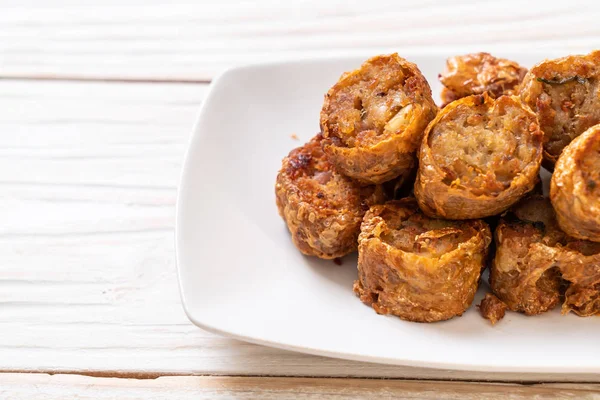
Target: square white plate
column 241, row 276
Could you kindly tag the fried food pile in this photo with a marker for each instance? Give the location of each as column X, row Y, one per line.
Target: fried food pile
column 414, row 188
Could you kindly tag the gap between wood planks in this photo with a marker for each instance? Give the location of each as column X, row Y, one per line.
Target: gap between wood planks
column 43, row 386
column 154, row 376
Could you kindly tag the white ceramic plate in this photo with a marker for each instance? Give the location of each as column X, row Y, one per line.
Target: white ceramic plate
column 241, row 276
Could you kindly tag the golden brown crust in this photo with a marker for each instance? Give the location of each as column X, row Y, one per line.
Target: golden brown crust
column 477, row 73
column 418, row 268
column 565, row 95
column 575, row 186
column 580, row 264
column 322, row 208
column 535, row 261
column 583, row 301
column 524, row 273
column 492, row 308
column 478, row 157
column 373, row 119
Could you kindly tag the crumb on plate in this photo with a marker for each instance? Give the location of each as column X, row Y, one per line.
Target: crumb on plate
column 492, row 308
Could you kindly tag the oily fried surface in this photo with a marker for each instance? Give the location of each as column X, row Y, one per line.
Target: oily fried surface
column 583, row 301
column 535, row 261
column 575, row 186
column 418, row 268
column 580, row 265
column 524, row 273
column 322, row 208
column 478, row 157
column 373, row 119
column 492, row 308
column 565, row 95
column 477, row 73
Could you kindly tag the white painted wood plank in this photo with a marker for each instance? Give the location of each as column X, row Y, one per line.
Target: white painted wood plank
column 88, row 276
column 44, row 387
column 130, row 40
column 60, row 133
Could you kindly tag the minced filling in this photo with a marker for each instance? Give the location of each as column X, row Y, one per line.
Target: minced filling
column 568, row 106
column 370, row 103
column 425, row 236
column 483, row 148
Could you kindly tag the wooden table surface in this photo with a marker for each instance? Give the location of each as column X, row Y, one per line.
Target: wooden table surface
column 96, row 107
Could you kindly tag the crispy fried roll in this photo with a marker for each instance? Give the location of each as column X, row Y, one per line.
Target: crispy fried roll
column 524, row 272
column 575, row 187
column 419, row 268
column 565, row 95
column 536, row 261
column 477, row 73
column 373, row 119
column 322, row 208
column 478, row 157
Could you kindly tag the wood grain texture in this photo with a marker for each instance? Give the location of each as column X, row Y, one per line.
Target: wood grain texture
column 152, row 40
column 44, row 387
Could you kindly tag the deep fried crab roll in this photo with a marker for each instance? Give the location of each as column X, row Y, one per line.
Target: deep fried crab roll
column 575, row 187
column 478, row 157
column 477, row 73
column 419, row 268
column 580, row 265
column 536, row 263
column 322, row 208
column 524, row 273
column 565, row 95
column 373, row 119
